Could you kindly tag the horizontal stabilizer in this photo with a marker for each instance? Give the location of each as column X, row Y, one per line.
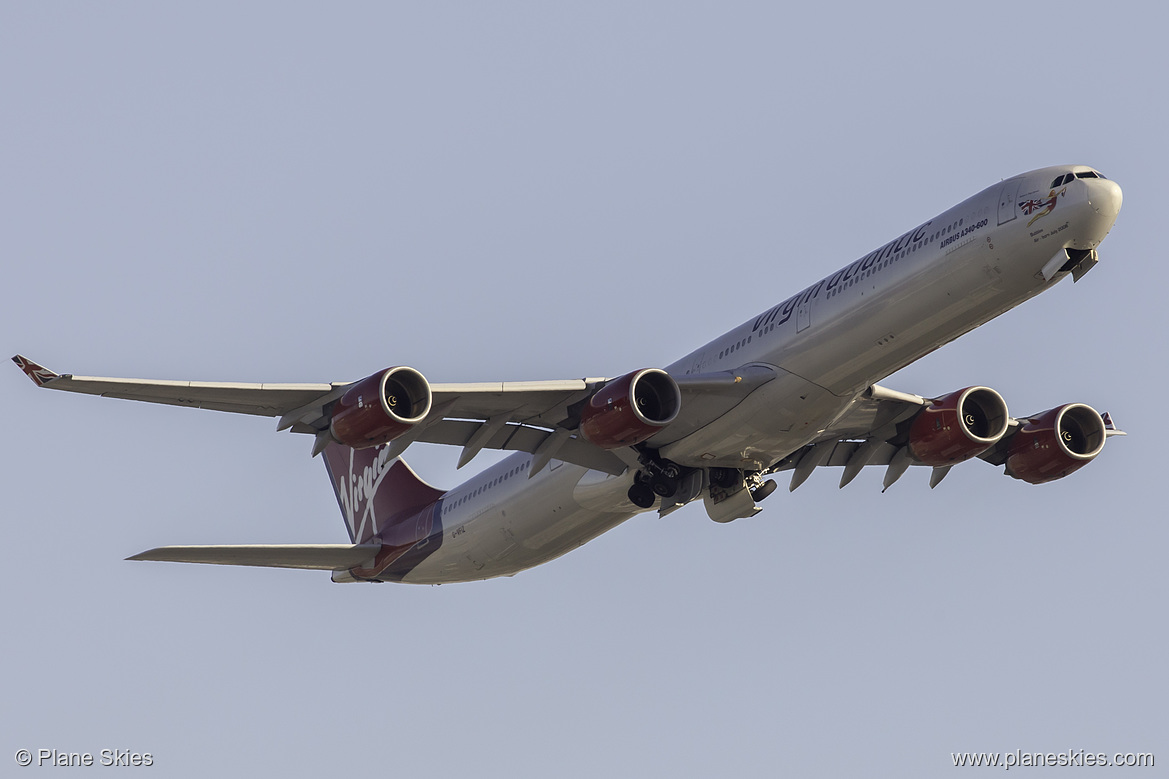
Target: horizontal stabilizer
column 320, row 557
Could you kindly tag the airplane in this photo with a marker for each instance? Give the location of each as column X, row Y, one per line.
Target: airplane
column 792, row 389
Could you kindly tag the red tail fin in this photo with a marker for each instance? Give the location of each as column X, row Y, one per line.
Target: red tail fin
column 375, row 493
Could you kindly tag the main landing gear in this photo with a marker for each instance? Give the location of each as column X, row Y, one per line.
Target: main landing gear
column 657, row 478
column 662, row 478
column 641, row 494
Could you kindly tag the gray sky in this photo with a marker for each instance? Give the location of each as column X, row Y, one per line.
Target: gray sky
column 289, row 192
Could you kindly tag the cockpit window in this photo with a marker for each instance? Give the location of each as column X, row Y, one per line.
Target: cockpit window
column 1057, row 182
column 1088, row 174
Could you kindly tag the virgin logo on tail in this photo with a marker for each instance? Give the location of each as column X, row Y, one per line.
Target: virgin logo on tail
column 371, row 506
column 357, row 478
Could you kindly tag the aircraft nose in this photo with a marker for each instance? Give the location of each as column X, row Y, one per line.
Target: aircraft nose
column 1099, row 214
column 1105, row 197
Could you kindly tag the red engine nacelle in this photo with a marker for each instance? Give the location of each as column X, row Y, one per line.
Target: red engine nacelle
column 961, row 425
column 630, row 409
column 381, row 407
column 1056, row 443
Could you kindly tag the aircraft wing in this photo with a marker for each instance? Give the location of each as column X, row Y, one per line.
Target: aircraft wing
column 259, row 399
column 872, row 432
column 501, row 415
column 538, row 417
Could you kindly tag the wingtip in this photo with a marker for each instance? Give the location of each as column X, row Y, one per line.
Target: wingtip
column 157, row 554
column 39, row 374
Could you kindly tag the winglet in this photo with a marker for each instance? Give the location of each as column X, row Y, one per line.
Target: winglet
column 38, row 373
column 1110, row 428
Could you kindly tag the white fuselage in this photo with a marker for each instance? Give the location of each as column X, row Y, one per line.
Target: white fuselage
column 827, row 344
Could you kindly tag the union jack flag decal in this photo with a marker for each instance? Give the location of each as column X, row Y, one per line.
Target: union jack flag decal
column 38, row 373
column 1047, row 204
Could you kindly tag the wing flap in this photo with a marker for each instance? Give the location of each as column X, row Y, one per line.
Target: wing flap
column 535, row 402
column 858, row 438
column 522, row 438
column 320, row 557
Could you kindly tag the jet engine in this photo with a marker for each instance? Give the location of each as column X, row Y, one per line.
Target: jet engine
column 1056, row 443
column 959, row 426
column 381, row 407
column 630, row 409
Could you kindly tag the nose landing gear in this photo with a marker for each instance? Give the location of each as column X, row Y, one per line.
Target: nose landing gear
column 733, row 494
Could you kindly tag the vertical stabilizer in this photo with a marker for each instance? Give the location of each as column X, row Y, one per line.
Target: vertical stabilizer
column 376, row 493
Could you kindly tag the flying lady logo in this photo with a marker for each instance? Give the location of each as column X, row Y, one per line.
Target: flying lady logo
column 1047, row 204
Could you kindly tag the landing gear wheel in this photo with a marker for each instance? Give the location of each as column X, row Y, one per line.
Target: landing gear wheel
column 641, row 495
column 724, row 478
column 665, row 487
column 763, row 490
